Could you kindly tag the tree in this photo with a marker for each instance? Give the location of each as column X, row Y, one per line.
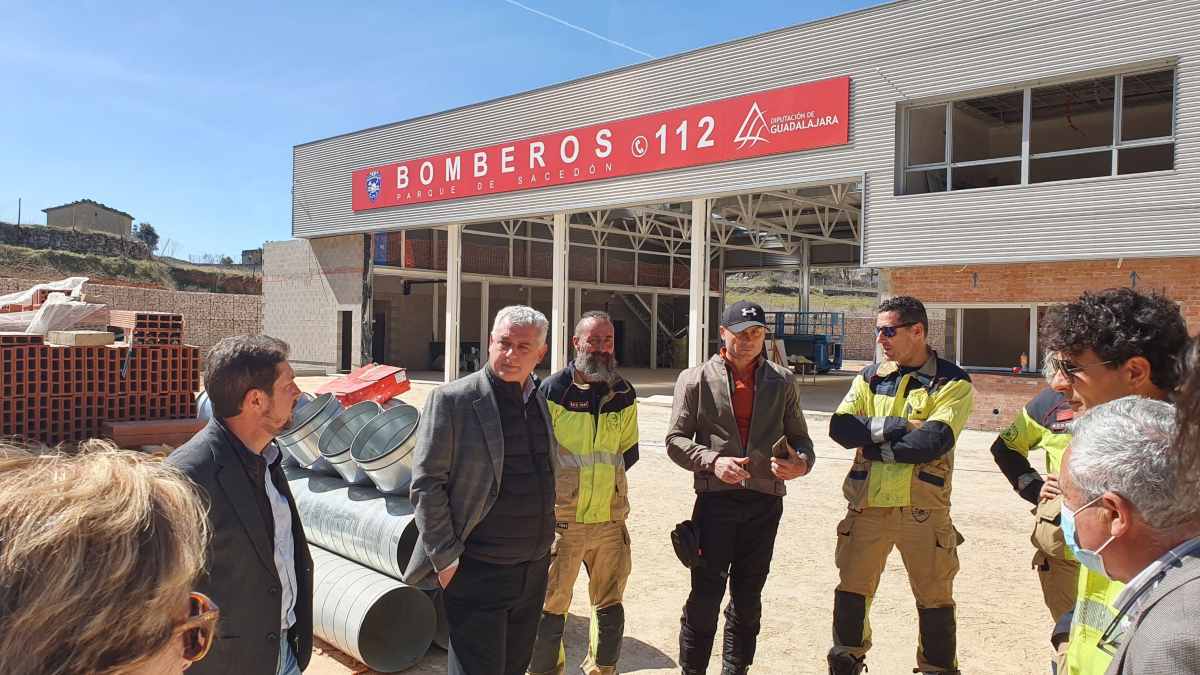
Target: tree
column 226, row 260
column 147, row 235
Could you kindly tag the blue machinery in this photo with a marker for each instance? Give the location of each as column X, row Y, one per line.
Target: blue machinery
column 817, row 336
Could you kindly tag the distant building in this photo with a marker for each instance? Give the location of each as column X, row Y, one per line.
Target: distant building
column 253, row 256
column 86, row 214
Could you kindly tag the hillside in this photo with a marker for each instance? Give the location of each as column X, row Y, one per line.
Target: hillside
column 28, row 263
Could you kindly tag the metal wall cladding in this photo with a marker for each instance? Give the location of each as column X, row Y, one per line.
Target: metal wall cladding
column 896, row 54
column 357, row 522
column 379, row 621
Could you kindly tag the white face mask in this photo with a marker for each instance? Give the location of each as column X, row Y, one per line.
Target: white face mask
column 1089, row 558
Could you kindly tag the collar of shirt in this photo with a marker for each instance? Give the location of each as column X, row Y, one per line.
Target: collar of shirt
column 600, row 388
column 248, row 457
column 526, row 391
column 1139, row 587
column 733, row 369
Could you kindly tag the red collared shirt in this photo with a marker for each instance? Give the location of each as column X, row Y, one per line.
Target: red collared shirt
column 742, row 395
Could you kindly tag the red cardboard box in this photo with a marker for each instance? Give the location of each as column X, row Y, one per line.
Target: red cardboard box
column 372, row 382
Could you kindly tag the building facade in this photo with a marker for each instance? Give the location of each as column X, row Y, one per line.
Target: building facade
column 993, row 158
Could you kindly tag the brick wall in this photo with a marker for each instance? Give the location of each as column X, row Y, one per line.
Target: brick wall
column 998, row 399
column 1051, row 281
column 208, row 317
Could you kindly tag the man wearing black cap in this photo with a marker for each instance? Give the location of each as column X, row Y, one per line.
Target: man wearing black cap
column 736, row 423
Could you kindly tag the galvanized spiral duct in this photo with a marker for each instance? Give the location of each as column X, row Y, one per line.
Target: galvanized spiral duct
column 379, row 621
column 357, row 522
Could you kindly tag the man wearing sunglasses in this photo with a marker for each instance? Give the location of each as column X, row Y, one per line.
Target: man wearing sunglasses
column 1107, row 345
column 259, row 568
column 903, row 417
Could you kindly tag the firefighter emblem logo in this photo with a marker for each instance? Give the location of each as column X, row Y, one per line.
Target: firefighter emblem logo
column 374, row 185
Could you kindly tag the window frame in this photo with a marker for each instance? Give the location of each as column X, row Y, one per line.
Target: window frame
column 958, row 307
column 1114, row 148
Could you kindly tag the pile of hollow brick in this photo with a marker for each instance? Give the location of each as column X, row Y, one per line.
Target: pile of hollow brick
column 53, row 393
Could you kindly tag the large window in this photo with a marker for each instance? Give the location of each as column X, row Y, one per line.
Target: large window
column 988, row 338
column 1108, row 126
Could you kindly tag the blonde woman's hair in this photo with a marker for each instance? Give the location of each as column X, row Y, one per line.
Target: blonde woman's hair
column 97, row 554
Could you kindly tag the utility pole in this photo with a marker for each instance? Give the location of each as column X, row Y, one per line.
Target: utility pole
column 18, row 210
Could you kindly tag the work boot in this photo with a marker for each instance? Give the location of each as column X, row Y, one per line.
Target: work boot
column 733, row 670
column 847, row 664
column 937, row 672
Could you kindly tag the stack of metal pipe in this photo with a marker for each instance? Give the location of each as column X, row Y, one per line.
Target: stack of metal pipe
column 362, row 535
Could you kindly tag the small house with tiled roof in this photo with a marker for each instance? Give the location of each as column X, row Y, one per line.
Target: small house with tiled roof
column 86, row 214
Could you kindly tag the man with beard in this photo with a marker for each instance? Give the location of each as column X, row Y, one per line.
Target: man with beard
column 259, row 567
column 594, row 411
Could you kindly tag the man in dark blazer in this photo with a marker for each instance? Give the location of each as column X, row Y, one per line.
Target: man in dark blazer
column 259, row 569
column 483, row 490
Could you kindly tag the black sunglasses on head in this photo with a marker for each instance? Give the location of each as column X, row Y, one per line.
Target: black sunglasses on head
column 890, row 331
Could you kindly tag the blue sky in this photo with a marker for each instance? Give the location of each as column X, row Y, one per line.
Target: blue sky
column 185, row 114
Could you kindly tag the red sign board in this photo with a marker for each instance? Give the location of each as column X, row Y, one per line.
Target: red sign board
column 800, row 117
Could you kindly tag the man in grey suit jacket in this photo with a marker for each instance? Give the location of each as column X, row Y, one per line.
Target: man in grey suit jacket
column 483, row 490
column 1131, row 513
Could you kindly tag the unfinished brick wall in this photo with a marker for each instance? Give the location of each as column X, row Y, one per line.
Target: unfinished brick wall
column 208, row 317
column 1052, row 281
column 1049, row 282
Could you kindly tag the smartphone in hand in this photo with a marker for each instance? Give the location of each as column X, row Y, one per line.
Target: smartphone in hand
column 781, row 450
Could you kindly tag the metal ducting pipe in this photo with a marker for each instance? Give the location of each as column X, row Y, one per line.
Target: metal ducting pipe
column 383, row 448
column 337, row 437
column 357, row 522
column 302, row 440
column 379, row 621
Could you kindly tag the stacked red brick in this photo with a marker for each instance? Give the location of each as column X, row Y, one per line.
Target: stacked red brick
column 53, row 394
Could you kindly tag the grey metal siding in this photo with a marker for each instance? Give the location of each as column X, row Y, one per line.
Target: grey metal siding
column 914, row 50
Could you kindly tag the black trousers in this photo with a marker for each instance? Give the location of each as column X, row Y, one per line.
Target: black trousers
column 493, row 612
column 737, row 540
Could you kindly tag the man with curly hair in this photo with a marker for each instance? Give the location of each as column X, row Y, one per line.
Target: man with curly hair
column 1104, row 346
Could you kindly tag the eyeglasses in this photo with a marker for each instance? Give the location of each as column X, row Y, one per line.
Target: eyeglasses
column 200, row 627
column 890, row 331
column 1070, row 370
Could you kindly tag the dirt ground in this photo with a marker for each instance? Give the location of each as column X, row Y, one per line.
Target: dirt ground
column 1003, row 627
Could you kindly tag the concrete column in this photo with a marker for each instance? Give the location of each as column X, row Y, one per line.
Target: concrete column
column 577, row 310
column 805, row 275
column 366, row 341
column 698, row 295
column 558, row 294
column 653, row 331
column 453, row 297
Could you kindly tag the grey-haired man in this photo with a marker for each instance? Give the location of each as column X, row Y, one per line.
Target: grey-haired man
column 483, row 490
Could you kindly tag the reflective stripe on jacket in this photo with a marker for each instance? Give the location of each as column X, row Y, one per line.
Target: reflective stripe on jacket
column 895, row 465
column 594, row 426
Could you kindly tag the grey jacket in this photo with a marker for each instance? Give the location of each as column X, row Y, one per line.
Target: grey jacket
column 1163, row 638
column 457, row 464
column 703, row 426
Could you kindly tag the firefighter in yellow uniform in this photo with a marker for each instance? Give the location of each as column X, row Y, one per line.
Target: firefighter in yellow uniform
column 594, row 413
column 1042, row 424
column 1103, row 346
column 903, row 416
